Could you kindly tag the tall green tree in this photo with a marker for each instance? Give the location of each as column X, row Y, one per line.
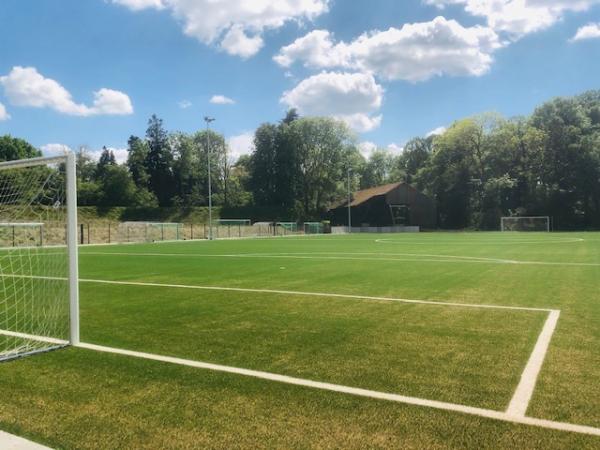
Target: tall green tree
column 159, row 162
column 14, row 148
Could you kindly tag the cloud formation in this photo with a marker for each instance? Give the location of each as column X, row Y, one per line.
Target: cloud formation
column 589, row 31
column 25, row 86
column 3, row 113
column 237, row 26
column 222, row 100
column 242, row 144
column 415, row 52
column 517, row 18
column 354, row 98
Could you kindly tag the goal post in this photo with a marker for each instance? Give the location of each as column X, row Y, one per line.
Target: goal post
column 525, row 223
column 39, row 292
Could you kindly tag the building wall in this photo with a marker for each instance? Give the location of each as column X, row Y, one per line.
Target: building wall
column 422, row 209
column 375, row 212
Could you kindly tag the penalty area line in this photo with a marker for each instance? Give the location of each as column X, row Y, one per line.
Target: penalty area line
column 366, row 393
column 511, row 417
column 522, row 396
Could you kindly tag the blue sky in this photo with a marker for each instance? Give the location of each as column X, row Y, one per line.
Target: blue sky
column 91, row 72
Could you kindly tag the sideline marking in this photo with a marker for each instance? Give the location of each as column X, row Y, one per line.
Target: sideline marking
column 522, row 396
column 12, row 442
column 415, row 401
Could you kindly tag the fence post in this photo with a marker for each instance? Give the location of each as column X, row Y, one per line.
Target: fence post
column 109, row 232
column 81, row 241
column 192, row 231
column 88, row 231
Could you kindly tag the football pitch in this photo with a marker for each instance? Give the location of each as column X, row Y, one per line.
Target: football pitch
column 430, row 340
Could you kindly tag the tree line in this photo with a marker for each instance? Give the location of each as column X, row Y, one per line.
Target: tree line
column 479, row 169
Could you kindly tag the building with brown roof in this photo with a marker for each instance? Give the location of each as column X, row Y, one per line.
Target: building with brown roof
column 388, row 205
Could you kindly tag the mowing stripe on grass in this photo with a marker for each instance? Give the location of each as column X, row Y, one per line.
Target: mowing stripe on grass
column 285, row 292
column 414, row 257
column 522, row 396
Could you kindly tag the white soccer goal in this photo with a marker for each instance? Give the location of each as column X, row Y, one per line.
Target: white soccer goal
column 291, row 227
column 39, row 296
column 237, row 222
column 313, row 228
column 149, row 231
column 525, row 223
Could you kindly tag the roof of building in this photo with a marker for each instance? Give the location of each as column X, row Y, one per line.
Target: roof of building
column 361, row 197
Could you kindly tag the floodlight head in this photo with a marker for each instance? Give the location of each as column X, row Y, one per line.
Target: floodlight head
column 209, row 119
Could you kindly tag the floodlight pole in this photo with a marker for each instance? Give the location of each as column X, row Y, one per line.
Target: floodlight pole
column 349, row 201
column 208, row 120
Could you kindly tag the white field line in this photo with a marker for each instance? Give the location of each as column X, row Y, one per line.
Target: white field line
column 12, row 442
column 414, row 257
column 481, row 412
column 487, row 413
column 286, row 292
column 415, row 401
column 522, row 396
column 490, row 241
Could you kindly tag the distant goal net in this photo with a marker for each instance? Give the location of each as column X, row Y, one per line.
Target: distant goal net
column 38, row 256
column 149, row 231
column 234, row 222
column 531, row 223
column 313, row 228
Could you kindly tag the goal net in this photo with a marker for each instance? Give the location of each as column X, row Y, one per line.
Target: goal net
column 38, row 256
column 531, row 223
column 313, row 228
column 239, row 222
column 291, row 227
column 149, row 231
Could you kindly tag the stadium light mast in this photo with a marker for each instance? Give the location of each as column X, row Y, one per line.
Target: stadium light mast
column 208, row 121
column 349, row 201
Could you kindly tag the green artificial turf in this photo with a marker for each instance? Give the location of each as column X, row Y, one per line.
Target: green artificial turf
column 77, row 398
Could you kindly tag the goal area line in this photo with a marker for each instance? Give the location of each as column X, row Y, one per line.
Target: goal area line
column 515, row 413
column 504, row 416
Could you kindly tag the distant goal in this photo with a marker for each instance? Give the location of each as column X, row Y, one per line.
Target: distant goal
column 527, row 223
column 150, row 231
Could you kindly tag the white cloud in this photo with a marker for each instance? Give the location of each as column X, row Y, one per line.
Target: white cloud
column 589, row 31
column 61, row 149
column 367, row 148
column 120, row 154
column 3, row 114
column 221, row 100
column 184, row 104
column 437, row 131
column 25, row 86
column 242, row 144
column 519, row 17
column 54, row 149
column 110, row 102
column 416, row 52
column 237, row 25
column 236, row 42
column 137, row 5
column 395, row 148
column 352, row 97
